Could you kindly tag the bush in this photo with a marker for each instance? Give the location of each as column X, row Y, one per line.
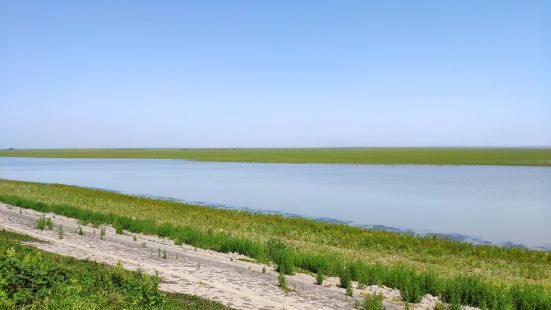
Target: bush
column 319, row 278
column 345, row 279
column 373, row 302
column 282, row 281
column 43, row 222
column 281, row 255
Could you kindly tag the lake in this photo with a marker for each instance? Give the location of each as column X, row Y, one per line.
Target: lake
column 499, row 204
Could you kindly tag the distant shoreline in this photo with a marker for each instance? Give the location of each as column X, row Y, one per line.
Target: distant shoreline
column 347, row 155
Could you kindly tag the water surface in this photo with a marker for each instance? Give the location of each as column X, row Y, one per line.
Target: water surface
column 498, row 204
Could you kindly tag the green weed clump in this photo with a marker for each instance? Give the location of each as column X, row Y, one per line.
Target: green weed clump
column 102, row 232
column 283, row 281
column 119, row 228
column 60, row 232
column 345, row 278
column 43, row 223
column 440, row 306
column 349, row 291
column 374, row 302
column 319, row 277
column 282, row 255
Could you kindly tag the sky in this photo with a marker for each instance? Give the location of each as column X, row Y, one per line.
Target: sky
column 92, row 74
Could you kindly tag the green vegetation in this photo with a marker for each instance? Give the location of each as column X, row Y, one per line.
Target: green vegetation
column 319, row 277
column 43, row 222
column 479, row 275
column 349, row 291
column 60, row 232
column 34, row 279
column 345, row 278
column 374, row 302
column 431, row 156
column 6, row 235
column 283, row 281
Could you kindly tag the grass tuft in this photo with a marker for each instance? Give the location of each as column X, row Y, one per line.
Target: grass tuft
column 374, row 302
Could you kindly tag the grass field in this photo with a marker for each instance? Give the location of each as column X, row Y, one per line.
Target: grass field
column 431, row 156
column 34, row 279
column 416, row 265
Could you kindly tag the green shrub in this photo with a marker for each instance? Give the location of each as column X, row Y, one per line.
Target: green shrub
column 282, row 281
column 43, row 223
column 319, row 277
column 282, row 255
column 349, row 291
column 373, row 302
column 345, row 279
column 60, row 232
column 440, row 306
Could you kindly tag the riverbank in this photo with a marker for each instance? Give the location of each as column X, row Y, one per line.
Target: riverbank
column 369, row 256
column 390, row 156
column 231, row 279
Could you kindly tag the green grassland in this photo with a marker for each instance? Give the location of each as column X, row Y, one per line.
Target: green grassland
column 430, row 156
column 480, row 275
column 34, row 279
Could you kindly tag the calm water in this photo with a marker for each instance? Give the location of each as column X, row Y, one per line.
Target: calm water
column 476, row 203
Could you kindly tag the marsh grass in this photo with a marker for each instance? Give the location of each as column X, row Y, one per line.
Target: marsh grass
column 431, row 156
column 413, row 283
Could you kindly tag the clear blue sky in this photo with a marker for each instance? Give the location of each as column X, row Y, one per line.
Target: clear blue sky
column 274, row 73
